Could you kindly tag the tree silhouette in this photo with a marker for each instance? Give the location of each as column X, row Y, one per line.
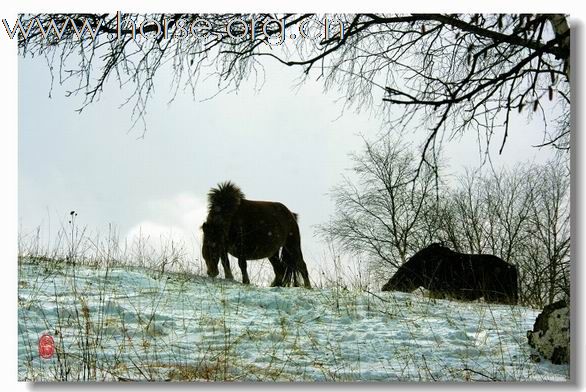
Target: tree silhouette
column 446, row 73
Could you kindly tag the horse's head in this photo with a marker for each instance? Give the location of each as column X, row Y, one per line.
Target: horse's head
column 410, row 275
column 405, row 280
column 415, row 271
column 213, row 246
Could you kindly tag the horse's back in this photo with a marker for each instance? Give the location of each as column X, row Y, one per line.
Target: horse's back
column 272, row 211
column 260, row 228
column 491, row 277
column 471, row 276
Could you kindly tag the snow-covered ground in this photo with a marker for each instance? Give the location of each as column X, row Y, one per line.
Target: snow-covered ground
column 136, row 324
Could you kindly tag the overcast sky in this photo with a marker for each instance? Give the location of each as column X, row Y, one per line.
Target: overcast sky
column 282, row 143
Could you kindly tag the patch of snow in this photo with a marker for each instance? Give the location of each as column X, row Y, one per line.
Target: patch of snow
column 140, row 324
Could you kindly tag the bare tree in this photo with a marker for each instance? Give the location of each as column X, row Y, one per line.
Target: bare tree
column 470, row 214
column 446, row 73
column 549, row 234
column 506, row 200
column 379, row 212
column 521, row 215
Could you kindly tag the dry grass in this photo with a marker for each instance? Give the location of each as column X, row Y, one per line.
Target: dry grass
column 96, row 343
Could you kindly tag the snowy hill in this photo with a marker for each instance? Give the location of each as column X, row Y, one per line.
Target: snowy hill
column 136, row 324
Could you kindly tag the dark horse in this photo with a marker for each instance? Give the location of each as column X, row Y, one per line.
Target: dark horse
column 458, row 275
column 251, row 230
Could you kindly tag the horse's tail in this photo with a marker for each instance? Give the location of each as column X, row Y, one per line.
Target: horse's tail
column 225, row 199
column 292, row 258
column 292, row 273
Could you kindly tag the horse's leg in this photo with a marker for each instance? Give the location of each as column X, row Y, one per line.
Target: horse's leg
column 288, row 261
column 278, row 267
column 242, row 265
column 240, row 241
column 226, row 266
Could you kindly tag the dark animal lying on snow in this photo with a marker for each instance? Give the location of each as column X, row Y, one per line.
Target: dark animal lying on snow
column 252, row 230
column 458, row 275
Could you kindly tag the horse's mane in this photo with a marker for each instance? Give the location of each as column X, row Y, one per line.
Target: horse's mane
column 225, row 199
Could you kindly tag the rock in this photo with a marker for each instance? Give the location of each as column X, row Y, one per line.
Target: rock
column 551, row 333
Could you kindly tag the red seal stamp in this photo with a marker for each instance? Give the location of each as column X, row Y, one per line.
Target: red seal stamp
column 46, row 346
